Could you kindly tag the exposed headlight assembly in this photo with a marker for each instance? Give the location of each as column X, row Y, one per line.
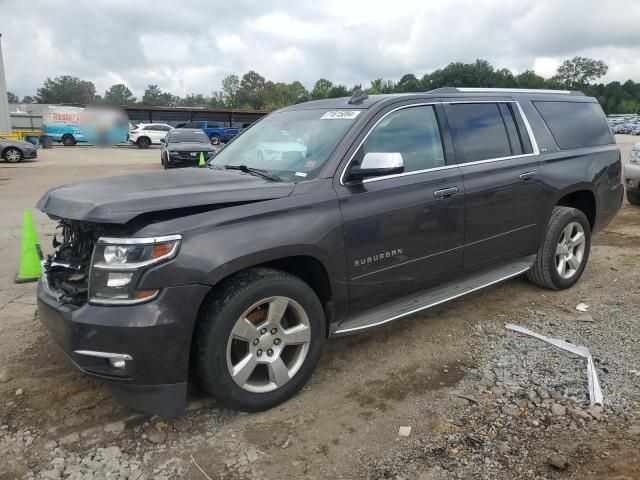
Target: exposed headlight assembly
column 118, row 264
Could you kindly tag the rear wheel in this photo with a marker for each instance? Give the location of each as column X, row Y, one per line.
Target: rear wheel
column 13, row 155
column 68, row 140
column 143, row 142
column 633, row 197
column 563, row 255
column 259, row 340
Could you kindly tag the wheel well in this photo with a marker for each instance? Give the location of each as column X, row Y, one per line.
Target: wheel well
column 142, row 136
column 67, row 135
column 8, row 148
column 309, row 269
column 583, row 200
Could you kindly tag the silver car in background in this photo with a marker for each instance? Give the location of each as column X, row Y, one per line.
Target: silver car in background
column 14, row 151
column 632, row 176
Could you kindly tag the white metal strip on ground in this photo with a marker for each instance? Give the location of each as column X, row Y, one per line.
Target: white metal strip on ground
column 595, row 393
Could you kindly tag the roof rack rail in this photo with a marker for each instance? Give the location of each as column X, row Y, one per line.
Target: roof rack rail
column 502, row 90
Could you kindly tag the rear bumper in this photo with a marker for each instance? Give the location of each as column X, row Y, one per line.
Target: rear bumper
column 153, row 338
column 631, row 177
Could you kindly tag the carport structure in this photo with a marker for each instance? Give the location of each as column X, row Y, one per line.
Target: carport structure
column 177, row 115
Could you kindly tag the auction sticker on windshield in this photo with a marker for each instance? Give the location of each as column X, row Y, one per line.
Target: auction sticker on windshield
column 340, row 115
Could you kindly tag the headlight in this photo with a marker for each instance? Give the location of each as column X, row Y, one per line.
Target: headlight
column 118, row 264
column 634, row 156
column 174, row 154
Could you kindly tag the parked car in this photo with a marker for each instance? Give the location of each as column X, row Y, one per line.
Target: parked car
column 632, row 175
column 14, row 151
column 243, row 269
column 145, row 135
column 183, row 147
column 215, row 132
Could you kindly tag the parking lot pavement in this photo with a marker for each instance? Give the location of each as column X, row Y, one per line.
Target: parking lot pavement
column 482, row 402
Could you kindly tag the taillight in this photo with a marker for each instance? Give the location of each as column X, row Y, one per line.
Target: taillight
column 133, row 131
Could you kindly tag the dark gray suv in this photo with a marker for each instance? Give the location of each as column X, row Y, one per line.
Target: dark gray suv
column 325, row 218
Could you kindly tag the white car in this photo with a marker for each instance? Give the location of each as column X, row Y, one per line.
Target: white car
column 632, row 176
column 146, row 134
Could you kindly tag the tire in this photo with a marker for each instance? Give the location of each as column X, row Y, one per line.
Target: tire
column 215, row 139
column 215, row 351
column 12, row 155
column 68, row 140
column 143, row 142
column 555, row 254
column 633, row 197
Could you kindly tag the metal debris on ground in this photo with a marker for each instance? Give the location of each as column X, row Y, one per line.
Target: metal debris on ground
column 595, row 393
column 582, row 307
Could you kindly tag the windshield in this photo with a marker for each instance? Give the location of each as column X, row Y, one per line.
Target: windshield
column 184, row 137
column 294, row 145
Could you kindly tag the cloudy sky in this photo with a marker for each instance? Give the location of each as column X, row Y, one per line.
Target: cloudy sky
column 189, row 46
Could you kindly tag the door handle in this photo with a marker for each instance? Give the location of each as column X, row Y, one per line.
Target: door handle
column 527, row 176
column 446, row 193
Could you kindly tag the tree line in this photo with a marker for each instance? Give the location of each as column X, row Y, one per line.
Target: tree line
column 253, row 91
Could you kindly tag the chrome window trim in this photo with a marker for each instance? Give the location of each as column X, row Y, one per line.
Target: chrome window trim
column 532, row 139
column 91, row 353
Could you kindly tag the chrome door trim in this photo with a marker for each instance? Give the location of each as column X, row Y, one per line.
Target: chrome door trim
column 532, row 139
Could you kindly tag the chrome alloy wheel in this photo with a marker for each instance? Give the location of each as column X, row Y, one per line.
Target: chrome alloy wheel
column 13, row 155
column 268, row 344
column 570, row 250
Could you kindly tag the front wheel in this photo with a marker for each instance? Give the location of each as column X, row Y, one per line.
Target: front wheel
column 68, row 140
column 563, row 255
column 215, row 140
column 259, row 340
column 633, row 197
column 13, row 155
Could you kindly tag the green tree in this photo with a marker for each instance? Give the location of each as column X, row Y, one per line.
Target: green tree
column 321, row 89
column 28, row 99
column 380, row 86
column 66, row 89
column 529, row 79
column 578, row 72
column 504, row 79
column 120, row 95
column 155, row 97
column 230, row 89
column 408, row 83
column 192, row 100
column 338, row 91
column 12, row 97
column 250, row 92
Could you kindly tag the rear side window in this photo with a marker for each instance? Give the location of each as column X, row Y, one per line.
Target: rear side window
column 478, row 130
column 575, row 124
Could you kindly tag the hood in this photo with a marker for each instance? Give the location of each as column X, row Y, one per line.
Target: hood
column 190, row 147
column 120, row 199
column 16, row 143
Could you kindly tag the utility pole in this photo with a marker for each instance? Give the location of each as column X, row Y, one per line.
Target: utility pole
column 5, row 120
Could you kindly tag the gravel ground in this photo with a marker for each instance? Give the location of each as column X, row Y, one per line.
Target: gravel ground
column 482, row 402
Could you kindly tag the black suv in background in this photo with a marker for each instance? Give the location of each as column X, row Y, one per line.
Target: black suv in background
column 184, row 147
column 324, row 218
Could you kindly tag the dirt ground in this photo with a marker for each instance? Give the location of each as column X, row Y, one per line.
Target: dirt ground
column 344, row 424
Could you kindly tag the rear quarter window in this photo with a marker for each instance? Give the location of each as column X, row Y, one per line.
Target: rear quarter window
column 575, row 124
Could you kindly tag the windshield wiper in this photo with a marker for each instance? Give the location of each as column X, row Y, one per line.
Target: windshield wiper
column 254, row 171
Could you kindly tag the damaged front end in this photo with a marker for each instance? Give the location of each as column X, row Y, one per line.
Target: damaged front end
column 67, row 270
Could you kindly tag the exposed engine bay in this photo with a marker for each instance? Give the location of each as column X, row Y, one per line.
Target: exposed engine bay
column 67, row 269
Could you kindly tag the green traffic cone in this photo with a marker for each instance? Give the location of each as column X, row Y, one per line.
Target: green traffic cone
column 202, row 163
column 30, row 254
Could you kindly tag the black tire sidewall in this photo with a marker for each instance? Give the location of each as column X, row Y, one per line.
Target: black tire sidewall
column 571, row 215
column 215, row 140
column 68, row 141
column 211, row 348
column 143, row 142
column 633, row 197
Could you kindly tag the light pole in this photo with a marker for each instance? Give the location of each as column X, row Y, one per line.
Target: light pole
column 5, row 120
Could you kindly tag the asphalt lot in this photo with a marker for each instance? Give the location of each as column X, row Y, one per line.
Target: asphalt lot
column 345, row 422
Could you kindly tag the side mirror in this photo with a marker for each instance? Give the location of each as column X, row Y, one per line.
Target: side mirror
column 376, row 164
column 162, row 140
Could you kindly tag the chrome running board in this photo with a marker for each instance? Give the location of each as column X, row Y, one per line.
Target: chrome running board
column 406, row 306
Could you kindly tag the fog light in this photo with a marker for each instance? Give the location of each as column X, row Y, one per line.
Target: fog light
column 118, row 363
column 118, row 279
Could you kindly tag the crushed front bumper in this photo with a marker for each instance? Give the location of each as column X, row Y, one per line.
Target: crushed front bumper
column 153, row 339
